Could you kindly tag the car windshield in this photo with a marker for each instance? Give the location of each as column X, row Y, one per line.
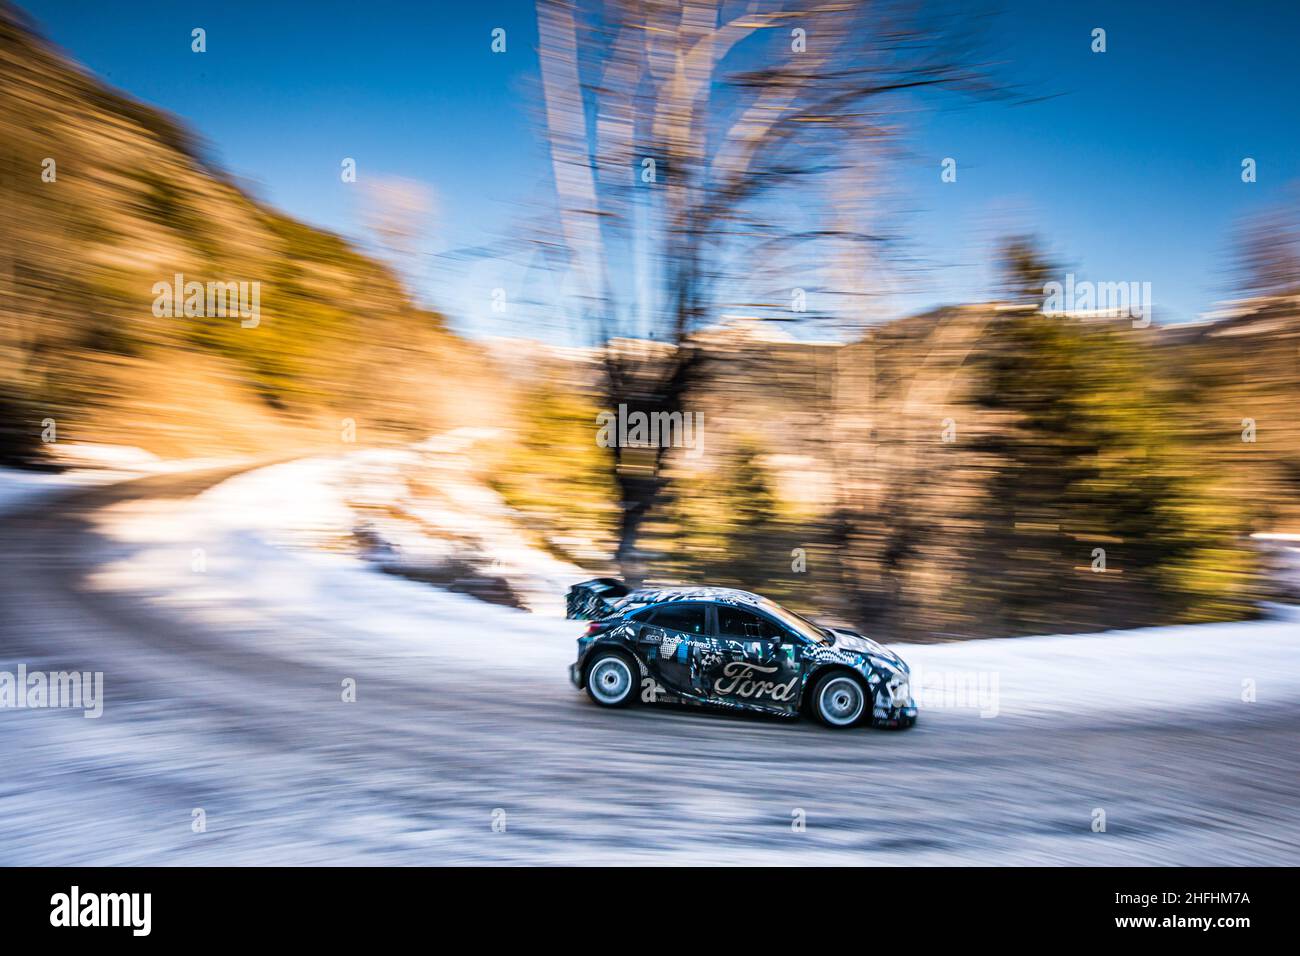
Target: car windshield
column 800, row 625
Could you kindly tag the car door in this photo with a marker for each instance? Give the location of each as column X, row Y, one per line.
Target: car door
column 668, row 638
column 759, row 663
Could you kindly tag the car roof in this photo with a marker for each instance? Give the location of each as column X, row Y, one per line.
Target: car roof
column 665, row 595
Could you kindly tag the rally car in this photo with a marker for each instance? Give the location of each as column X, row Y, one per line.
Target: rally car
column 728, row 648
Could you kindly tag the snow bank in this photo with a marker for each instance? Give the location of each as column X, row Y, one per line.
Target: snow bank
column 416, row 511
column 246, row 556
column 1211, row 668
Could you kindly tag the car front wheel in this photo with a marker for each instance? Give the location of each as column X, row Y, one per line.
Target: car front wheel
column 839, row 700
column 610, row 680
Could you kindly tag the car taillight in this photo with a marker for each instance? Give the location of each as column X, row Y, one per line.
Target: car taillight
column 595, row 627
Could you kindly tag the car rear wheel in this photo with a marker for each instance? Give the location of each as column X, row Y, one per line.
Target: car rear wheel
column 611, row 680
column 839, row 700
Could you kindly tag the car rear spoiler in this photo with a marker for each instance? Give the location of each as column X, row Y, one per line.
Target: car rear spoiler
column 594, row 599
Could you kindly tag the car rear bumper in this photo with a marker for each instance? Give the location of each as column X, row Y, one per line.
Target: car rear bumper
column 575, row 675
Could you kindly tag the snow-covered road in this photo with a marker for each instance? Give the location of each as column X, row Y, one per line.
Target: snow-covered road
column 226, row 648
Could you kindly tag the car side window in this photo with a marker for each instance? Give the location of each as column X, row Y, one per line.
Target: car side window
column 745, row 625
column 688, row 618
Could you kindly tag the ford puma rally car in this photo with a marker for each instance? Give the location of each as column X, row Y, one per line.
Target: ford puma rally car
column 727, row 648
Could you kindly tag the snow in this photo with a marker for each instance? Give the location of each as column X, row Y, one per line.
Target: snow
column 1206, row 667
column 420, row 505
column 93, row 455
column 252, row 536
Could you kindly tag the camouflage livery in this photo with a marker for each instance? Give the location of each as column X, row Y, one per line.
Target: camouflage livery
column 727, row 648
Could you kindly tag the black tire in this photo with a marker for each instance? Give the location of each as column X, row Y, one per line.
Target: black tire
column 834, row 703
column 612, row 678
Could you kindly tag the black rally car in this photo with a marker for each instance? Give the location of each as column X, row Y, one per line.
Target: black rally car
column 728, row 648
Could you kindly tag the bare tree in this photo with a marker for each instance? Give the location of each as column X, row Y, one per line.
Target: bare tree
column 397, row 213
column 688, row 142
column 1268, row 253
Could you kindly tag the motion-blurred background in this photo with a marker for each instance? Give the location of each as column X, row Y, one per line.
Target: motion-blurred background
column 757, row 217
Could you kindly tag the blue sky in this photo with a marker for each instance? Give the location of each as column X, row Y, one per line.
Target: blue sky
column 1130, row 172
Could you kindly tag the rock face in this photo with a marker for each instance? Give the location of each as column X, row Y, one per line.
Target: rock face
column 106, row 201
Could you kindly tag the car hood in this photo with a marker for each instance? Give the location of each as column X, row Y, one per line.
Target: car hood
column 853, row 641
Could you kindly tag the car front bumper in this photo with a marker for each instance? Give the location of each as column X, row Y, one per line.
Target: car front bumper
column 892, row 716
